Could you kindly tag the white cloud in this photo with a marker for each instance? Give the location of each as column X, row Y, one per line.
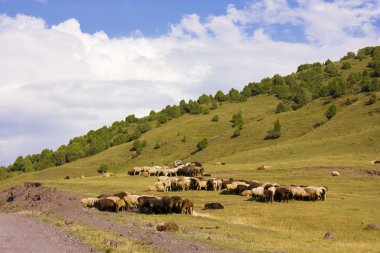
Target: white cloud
column 58, row 82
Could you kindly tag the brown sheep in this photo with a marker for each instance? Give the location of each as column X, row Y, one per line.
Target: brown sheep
column 106, row 205
column 187, row 206
column 120, row 205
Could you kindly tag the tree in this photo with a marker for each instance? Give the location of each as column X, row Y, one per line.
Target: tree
column 220, row 96
column 120, row 139
column 144, row 127
column 278, row 80
column 204, row 99
column 138, row 146
column 301, row 97
column 337, row 87
column 131, row 119
column 215, row 118
column 162, row 118
column 275, row 133
column 331, row 112
column 152, row 115
column 214, row 105
column 331, row 70
column 206, row 111
column 237, row 120
column 136, row 134
column 202, row 144
column 235, row 96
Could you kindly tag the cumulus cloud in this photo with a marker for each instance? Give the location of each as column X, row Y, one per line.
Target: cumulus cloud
column 59, row 82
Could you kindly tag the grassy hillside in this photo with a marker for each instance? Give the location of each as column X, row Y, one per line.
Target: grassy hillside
column 350, row 139
column 309, row 148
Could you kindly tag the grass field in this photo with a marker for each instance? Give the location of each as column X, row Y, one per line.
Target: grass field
column 304, row 154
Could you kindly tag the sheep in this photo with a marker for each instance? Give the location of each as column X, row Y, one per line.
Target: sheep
column 113, row 198
column 240, row 189
column 316, row 192
column 231, row 187
column 120, row 205
column 106, row 205
column 202, row 184
column 184, row 185
column 144, row 174
column 89, row 202
column 299, row 193
column 151, row 188
column 282, row 194
column 258, row 193
column 335, row 173
column 213, row 206
column 82, row 177
column 246, row 193
column 137, row 170
column 217, row 184
column 131, row 201
column 268, row 195
column 152, row 171
column 187, row 206
column 121, row 194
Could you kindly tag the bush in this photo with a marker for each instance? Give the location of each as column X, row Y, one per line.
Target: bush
column 275, row 133
column 183, row 139
column 214, row 105
column 206, row 111
column 331, row 111
column 157, row 146
column 281, row 107
column 215, row 118
column 103, row 167
column 346, row 65
column 202, row 144
column 138, row 146
column 372, row 99
column 237, row 120
column 236, row 133
column 162, row 118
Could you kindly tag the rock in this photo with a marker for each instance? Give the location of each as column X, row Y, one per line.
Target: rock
column 329, row 236
column 167, row 226
column 372, row 226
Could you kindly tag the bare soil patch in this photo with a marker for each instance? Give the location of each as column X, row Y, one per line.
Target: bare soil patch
column 34, row 197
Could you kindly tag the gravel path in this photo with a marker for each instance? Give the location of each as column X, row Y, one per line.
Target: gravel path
column 23, row 234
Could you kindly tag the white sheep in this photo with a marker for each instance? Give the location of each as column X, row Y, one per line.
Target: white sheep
column 89, row 202
column 335, row 173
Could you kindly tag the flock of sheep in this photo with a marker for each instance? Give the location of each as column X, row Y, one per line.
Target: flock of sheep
column 267, row 192
column 185, row 177
column 123, row 201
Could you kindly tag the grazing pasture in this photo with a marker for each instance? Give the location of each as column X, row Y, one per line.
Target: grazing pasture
column 244, row 225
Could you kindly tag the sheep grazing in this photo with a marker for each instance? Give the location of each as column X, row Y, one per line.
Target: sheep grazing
column 298, row 193
column 121, row 194
column 89, row 202
column 335, row 173
column 82, row 177
column 202, row 184
column 187, row 206
column 246, row 193
column 282, row 194
column 144, row 174
column 106, row 205
column 151, row 188
column 258, row 193
column 131, row 201
column 120, row 205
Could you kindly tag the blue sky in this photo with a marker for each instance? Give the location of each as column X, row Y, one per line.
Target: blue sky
column 69, row 66
column 118, row 17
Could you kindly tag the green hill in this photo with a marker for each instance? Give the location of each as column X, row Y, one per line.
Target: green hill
column 309, row 148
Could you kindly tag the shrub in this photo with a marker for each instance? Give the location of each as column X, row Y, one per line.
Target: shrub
column 237, row 120
column 157, row 145
column 281, row 107
column 236, row 133
column 162, row 118
column 206, row 111
column 103, row 167
column 138, row 146
column 275, row 133
column 215, row 118
column 214, row 105
column 331, row 111
column 183, row 139
column 346, row 65
column 372, row 99
column 202, row 144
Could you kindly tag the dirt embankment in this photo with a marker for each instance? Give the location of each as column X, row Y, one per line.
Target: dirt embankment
column 34, row 197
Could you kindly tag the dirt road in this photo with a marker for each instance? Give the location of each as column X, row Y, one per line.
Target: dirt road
column 19, row 233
